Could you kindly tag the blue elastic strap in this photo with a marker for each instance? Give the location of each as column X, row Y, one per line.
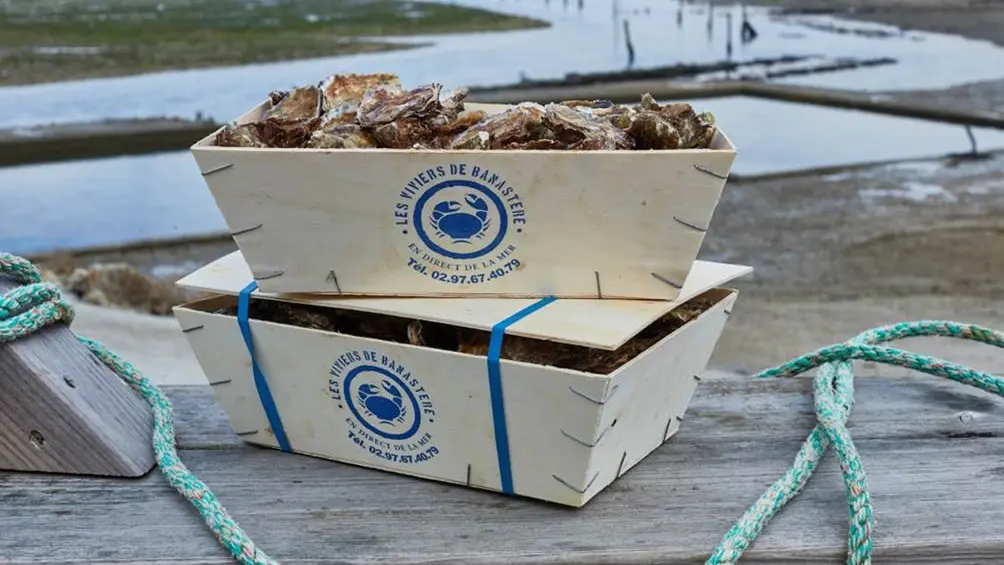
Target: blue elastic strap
column 259, row 379
column 495, row 387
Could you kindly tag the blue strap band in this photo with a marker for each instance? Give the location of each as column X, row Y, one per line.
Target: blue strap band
column 495, row 388
column 264, row 394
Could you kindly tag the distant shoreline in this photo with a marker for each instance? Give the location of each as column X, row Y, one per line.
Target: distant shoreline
column 120, row 41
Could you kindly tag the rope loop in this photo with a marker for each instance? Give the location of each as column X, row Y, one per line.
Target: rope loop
column 833, row 396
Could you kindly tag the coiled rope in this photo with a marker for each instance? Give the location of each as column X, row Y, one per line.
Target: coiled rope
column 36, row 304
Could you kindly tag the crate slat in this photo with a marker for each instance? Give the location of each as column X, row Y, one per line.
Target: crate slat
column 601, row 324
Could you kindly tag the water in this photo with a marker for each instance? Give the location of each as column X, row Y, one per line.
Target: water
column 104, row 201
column 773, row 137
column 111, row 201
column 587, row 41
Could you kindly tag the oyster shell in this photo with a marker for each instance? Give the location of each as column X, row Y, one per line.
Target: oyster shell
column 581, row 131
column 453, row 104
column 341, row 136
column 695, row 130
column 444, row 127
column 349, row 89
column 514, row 126
column 673, row 126
column 383, row 104
column 267, row 133
column 404, row 133
column 652, row 131
column 303, row 103
column 233, row 135
column 342, row 114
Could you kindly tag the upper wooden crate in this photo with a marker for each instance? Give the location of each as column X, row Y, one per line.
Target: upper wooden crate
column 389, row 222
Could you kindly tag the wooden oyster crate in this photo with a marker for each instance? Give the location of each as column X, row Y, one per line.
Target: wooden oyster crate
column 583, row 390
column 388, row 222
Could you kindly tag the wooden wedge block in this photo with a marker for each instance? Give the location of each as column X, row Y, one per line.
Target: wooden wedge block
column 63, row 411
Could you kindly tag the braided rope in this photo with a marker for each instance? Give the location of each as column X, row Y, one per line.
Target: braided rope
column 36, row 304
column 29, row 308
column 833, row 392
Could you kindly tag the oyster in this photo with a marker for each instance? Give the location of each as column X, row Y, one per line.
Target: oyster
column 303, row 103
column 404, row 133
column 342, row 114
column 467, row 118
column 341, row 136
column 581, row 131
column 267, row 133
column 514, row 126
column 245, row 135
column 445, row 127
column 453, row 103
column 652, row 131
column 383, row 104
column 696, row 130
column 349, row 89
column 673, row 126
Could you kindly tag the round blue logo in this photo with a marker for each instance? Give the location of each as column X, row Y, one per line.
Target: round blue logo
column 382, row 402
column 461, row 223
column 388, row 411
column 460, row 219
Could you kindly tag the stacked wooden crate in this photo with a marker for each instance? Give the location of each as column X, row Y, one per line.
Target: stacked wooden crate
column 529, row 322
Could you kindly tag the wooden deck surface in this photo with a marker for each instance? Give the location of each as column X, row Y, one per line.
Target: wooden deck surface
column 932, row 450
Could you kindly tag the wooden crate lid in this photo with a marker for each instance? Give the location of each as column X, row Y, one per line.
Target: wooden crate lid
column 600, row 324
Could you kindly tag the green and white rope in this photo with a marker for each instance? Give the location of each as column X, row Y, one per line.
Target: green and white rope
column 36, row 304
column 833, row 391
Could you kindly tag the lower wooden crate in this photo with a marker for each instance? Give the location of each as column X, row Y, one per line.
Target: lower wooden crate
column 429, row 413
column 549, row 399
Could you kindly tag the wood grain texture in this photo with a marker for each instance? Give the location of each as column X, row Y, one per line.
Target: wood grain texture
column 602, row 324
column 932, row 450
column 63, row 411
column 581, row 224
column 563, row 447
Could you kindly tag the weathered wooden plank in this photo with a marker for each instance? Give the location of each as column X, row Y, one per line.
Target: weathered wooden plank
column 916, row 406
column 730, row 409
column 932, row 488
column 62, row 411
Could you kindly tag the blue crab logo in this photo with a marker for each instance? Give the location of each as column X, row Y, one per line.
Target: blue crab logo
column 451, row 219
column 460, row 219
column 382, row 402
column 385, row 403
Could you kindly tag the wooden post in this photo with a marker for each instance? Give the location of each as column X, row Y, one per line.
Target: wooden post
column 63, row 411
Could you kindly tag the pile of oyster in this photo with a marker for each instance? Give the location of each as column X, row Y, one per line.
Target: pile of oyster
column 375, row 111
